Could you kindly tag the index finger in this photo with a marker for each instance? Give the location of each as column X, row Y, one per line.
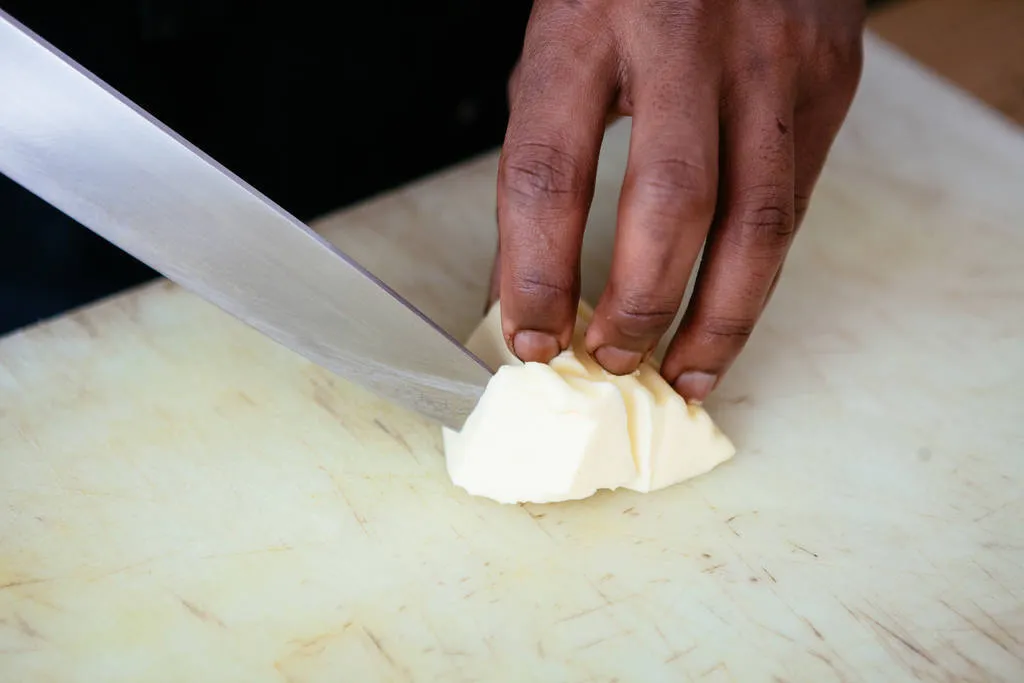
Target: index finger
column 546, row 173
column 666, row 206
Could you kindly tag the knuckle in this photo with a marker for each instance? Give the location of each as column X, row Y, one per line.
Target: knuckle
column 783, row 42
column 838, row 59
column 788, row 40
column 542, row 173
column 765, row 223
column 778, row 33
column 539, row 287
column 832, row 48
column 682, row 20
column 637, row 316
column 732, row 330
column 677, row 187
column 768, row 223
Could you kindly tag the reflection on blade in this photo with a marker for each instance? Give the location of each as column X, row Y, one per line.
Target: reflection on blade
column 73, row 141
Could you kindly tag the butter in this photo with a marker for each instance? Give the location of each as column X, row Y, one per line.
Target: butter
column 544, row 433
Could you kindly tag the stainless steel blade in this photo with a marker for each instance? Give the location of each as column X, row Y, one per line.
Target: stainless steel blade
column 75, row 142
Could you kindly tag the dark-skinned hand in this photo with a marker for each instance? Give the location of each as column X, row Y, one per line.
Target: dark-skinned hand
column 735, row 105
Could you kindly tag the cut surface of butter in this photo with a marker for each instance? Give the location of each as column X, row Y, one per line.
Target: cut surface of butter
column 544, row 433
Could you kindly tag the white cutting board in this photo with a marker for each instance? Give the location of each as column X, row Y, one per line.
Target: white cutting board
column 184, row 500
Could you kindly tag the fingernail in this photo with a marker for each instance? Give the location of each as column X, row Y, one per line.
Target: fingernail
column 618, row 361
column 695, row 386
column 539, row 347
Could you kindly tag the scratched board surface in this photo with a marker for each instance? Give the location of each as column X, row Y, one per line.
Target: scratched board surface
column 186, row 501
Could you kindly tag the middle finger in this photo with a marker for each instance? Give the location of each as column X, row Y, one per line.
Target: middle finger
column 667, row 202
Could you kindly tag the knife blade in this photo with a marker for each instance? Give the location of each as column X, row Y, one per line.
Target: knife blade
column 81, row 146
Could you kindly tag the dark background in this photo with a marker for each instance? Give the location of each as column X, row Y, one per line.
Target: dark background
column 317, row 105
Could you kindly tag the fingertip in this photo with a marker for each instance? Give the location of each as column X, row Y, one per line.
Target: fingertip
column 695, row 385
column 534, row 346
column 618, row 361
column 537, row 318
column 621, row 336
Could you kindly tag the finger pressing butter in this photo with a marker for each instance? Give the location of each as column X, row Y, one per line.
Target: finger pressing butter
column 544, row 433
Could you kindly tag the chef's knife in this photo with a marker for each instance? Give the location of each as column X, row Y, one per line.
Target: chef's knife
column 75, row 142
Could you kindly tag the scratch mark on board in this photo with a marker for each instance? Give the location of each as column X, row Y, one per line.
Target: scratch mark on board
column 715, row 613
column 341, row 492
column 996, row 640
column 246, row 398
column 21, row 582
column 679, row 654
column 576, row 615
column 728, row 524
column 27, row 628
column 799, row 547
column 396, row 436
column 311, row 647
column 661, row 634
column 323, row 397
column 970, row 662
column 998, row 625
column 674, row 654
column 830, row 664
column 39, row 600
column 995, row 510
column 810, row 624
column 201, row 614
column 380, row 648
column 771, row 630
column 905, row 642
column 992, row 577
column 596, row 641
column 284, row 674
column 536, row 517
column 717, row 667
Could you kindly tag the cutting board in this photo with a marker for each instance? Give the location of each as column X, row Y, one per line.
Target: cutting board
column 184, row 500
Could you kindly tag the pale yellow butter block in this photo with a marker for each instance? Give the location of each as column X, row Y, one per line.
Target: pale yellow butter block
column 556, row 438
column 563, row 431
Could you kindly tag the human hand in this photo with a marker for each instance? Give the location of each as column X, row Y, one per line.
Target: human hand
column 735, row 105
